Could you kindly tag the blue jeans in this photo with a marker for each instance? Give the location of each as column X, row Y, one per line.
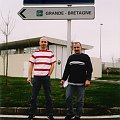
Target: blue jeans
column 37, row 83
column 80, row 91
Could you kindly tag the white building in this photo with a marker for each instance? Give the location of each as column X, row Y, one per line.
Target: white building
column 20, row 52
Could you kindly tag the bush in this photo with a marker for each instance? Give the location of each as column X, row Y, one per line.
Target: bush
column 114, row 71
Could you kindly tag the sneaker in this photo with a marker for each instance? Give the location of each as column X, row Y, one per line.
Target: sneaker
column 76, row 118
column 68, row 117
column 51, row 117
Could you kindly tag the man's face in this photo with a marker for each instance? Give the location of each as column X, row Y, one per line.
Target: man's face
column 43, row 43
column 77, row 48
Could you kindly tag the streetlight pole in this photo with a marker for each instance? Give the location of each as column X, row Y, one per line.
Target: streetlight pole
column 100, row 39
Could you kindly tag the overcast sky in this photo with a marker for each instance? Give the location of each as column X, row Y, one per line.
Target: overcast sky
column 107, row 12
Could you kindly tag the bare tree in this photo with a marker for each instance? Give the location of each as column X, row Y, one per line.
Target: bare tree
column 6, row 27
column 113, row 62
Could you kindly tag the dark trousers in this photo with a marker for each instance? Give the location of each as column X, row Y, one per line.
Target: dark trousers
column 37, row 83
column 80, row 91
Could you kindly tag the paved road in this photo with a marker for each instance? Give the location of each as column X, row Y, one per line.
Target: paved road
column 23, row 117
column 108, row 81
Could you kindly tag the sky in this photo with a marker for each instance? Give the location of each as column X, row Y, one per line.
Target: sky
column 84, row 31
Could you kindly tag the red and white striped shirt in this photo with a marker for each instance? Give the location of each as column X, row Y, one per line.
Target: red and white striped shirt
column 42, row 60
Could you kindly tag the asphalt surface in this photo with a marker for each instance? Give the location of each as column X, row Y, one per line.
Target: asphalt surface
column 23, row 117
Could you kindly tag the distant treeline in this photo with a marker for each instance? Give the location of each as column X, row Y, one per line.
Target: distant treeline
column 109, row 70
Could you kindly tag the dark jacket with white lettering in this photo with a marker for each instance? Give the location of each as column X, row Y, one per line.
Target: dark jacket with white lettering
column 78, row 68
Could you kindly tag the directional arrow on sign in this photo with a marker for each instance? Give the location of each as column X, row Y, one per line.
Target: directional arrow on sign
column 20, row 13
column 57, row 13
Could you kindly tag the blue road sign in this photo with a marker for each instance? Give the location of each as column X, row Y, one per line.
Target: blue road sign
column 30, row 2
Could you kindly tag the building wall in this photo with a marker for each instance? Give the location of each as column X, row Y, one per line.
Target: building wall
column 61, row 57
column 97, row 67
column 18, row 63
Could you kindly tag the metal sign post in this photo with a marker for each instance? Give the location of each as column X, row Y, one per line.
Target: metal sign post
column 68, row 36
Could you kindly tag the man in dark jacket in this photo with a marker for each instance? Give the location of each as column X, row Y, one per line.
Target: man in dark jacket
column 78, row 72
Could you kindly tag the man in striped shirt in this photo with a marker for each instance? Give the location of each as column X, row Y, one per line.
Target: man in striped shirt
column 41, row 65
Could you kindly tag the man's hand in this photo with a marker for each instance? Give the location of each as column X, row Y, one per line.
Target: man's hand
column 87, row 83
column 29, row 79
column 62, row 82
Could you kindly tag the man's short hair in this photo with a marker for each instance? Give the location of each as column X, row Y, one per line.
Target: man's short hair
column 43, row 37
column 77, row 43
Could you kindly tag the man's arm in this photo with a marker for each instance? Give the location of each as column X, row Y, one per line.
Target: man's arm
column 51, row 69
column 89, row 72
column 30, row 72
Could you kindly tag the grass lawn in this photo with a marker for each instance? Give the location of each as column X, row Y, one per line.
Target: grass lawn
column 17, row 94
column 110, row 77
